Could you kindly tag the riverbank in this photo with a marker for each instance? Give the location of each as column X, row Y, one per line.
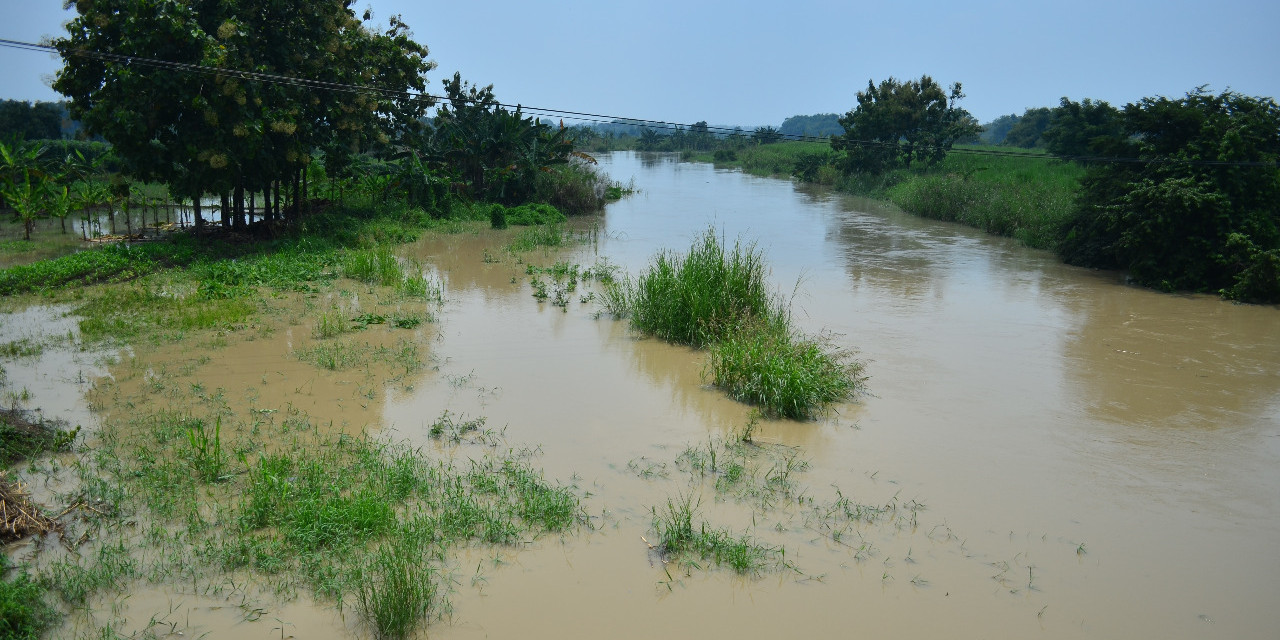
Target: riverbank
column 1014, row 193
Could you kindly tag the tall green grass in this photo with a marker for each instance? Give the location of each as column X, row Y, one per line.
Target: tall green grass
column 719, row 299
column 791, row 374
column 703, row 296
column 1026, row 198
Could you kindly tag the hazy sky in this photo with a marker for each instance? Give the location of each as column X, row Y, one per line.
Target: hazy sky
column 752, row 63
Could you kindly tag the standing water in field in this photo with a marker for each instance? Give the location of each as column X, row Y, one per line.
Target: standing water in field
column 1042, row 451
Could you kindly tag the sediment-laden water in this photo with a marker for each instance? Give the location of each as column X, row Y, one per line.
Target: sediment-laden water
column 1093, row 459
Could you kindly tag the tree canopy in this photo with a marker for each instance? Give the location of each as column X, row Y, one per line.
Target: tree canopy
column 199, row 130
column 1196, row 203
column 900, row 122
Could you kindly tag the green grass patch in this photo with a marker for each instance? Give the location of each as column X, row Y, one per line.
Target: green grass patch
column 720, row 300
column 24, row 614
column 688, row 538
column 700, row 297
column 352, row 518
column 541, row 236
column 787, row 374
column 126, row 313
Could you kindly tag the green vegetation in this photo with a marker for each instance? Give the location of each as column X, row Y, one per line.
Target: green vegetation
column 897, row 123
column 702, row 297
column 24, row 436
column 789, row 374
column 352, row 518
column 1200, row 210
column 686, row 542
column 24, row 615
column 720, row 299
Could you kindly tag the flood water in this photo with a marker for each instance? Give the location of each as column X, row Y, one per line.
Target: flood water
column 1095, row 460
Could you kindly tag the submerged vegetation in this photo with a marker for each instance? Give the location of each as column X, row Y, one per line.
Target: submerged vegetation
column 719, row 298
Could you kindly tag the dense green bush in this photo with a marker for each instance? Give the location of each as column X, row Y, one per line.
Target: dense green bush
column 1199, row 209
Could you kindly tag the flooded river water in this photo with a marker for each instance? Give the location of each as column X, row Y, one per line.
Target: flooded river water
column 1117, row 449
column 1094, row 460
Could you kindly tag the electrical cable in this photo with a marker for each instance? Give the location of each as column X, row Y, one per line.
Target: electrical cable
column 579, row 116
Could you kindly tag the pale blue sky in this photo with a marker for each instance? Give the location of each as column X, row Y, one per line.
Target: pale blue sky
column 756, row 63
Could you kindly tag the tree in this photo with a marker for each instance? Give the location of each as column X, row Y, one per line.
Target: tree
column 819, row 125
column 897, row 123
column 24, row 120
column 1079, row 129
column 496, row 151
column 766, row 135
column 1195, row 205
column 995, row 131
column 204, row 131
column 1029, row 128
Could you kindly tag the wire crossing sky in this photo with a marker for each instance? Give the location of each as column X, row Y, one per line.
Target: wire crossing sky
column 749, row 63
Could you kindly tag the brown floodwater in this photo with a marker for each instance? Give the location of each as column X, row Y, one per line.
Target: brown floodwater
column 1095, row 459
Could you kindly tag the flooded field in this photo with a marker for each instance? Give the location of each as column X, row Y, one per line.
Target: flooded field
column 1043, row 451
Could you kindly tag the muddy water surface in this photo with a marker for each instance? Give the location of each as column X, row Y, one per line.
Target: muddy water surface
column 1097, row 460
column 1094, row 460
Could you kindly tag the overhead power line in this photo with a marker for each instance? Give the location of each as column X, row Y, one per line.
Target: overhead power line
column 580, row 116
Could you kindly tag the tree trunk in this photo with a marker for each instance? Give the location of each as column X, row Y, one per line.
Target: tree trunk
column 225, row 212
column 199, row 221
column 237, row 220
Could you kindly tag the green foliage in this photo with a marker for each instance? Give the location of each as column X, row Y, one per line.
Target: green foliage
column 527, row 215
column 201, row 134
column 1027, row 198
column 24, row 614
column 720, row 300
column 30, row 121
column 897, row 123
column 1026, row 133
column 703, row 296
column 498, row 153
column 1178, row 220
column 995, row 131
column 22, row 437
column 397, row 590
column 1082, row 129
column 788, row 375
column 819, row 125
column 687, row 542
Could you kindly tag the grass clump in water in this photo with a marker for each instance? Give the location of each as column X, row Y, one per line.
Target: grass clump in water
column 700, row 298
column 789, row 374
column 680, row 538
column 719, row 299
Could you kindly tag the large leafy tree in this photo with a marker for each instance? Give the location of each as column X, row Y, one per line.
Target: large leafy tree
column 1193, row 202
column 199, row 124
column 1027, row 132
column 1079, row 129
column 897, row 123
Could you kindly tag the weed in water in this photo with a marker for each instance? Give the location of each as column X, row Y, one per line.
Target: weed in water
column 681, row 539
column 206, row 449
column 396, row 589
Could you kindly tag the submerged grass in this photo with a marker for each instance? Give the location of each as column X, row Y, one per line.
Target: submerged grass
column 720, row 299
column 354, row 519
column 680, row 538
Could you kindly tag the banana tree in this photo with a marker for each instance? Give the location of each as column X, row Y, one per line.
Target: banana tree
column 28, row 195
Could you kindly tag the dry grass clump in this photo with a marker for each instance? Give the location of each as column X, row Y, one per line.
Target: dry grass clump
column 19, row 516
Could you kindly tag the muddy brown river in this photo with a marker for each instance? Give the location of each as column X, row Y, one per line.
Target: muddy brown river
column 1095, row 460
